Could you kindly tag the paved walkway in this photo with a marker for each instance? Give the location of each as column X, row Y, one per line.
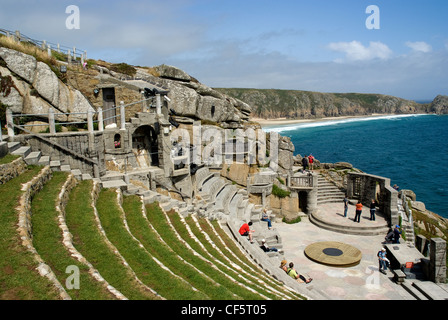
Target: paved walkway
column 360, row 282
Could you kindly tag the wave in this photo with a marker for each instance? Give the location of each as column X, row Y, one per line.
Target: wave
column 323, row 123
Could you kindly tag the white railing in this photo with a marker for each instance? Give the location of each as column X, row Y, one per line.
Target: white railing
column 89, row 115
column 302, row 181
column 71, row 52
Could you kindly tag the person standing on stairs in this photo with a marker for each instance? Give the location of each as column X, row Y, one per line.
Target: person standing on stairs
column 305, row 163
column 372, row 210
column 358, row 211
column 311, row 162
column 345, row 206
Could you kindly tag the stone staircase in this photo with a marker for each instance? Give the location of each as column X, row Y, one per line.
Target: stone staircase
column 328, row 192
column 37, row 158
column 425, row 290
column 222, row 200
column 406, row 224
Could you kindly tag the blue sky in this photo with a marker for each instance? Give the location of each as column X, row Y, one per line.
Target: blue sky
column 321, row 45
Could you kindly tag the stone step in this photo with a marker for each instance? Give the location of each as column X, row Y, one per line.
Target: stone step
column 417, row 294
column 115, row 184
column 132, row 190
column 44, row 161
column 112, row 175
column 324, row 194
column 151, row 197
column 329, row 200
column 66, row 168
column 354, row 230
column 86, row 176
column 13, row 146
column 329, row 190
column 431, row 290
column 55, row 165
column 77, row 173
column 3, row 149
column 33, row 158
column 22, row 151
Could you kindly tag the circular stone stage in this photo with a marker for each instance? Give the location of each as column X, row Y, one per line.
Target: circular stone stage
column 331, row 253
column 330, row 216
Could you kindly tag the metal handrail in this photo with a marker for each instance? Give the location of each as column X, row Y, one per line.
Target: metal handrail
column 43, row 43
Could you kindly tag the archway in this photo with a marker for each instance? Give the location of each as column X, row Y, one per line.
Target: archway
column 145, row 146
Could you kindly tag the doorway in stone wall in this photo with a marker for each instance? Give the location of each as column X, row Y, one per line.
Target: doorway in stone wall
column 109, row 106
column 145, row 146
column 303, row 200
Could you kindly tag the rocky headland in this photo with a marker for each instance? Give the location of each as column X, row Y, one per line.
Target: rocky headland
column 297, row 104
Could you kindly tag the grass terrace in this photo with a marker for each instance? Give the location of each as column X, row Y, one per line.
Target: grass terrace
column 122, row 248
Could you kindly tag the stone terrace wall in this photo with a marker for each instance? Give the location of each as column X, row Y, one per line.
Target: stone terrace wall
column 11, row 170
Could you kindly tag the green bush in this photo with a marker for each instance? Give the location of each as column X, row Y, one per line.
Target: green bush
column 279, row 192
column 297, row 220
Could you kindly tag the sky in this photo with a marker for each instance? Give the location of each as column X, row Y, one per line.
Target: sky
column 400, row 48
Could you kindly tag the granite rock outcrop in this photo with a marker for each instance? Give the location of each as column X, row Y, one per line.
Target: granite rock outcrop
column 32, row 87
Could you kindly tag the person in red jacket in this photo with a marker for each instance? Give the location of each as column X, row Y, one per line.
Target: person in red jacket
column 311, row 161
column 245, row 231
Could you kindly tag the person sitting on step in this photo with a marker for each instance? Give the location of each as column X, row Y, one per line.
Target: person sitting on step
column 265, row 217
column 283, row 265
column 264, row 246
column 293, row 274
column 245, row 231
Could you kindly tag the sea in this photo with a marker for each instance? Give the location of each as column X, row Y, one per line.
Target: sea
column 411, row 150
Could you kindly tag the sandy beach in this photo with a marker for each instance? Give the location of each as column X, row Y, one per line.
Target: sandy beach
column 285, row 121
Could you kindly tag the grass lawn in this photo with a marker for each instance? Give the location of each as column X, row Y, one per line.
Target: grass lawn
column 19, row 279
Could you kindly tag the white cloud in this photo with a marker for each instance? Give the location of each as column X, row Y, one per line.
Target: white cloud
column 356, row 51
column 419, row 46
column 406, row 76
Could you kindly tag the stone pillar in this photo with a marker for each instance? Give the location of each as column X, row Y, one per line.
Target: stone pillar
column 9, row 122
column 100, row 119
column 18, row 37
column 51, row 122
column 349, row 191
column 144, row 102
column 158, row 104
column 311, row 201
column 437, row 264
column 90, row 120
column 122, row 116
column 421, row 243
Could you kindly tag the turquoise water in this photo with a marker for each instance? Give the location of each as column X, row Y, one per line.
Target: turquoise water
column 410, row 150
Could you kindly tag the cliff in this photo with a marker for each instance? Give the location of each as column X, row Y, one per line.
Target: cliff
column 296, row 104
